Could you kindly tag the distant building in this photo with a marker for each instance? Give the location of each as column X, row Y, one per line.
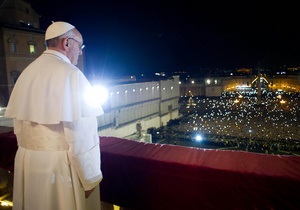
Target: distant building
column 214, row 86
column 153, row 103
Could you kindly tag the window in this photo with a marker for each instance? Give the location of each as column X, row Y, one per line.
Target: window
column 31, row 44
column 31, row 48
column 15, row 75
column 13, row 47
column 12, row 44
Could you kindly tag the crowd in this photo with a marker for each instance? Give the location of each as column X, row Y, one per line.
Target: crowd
column 241, row 120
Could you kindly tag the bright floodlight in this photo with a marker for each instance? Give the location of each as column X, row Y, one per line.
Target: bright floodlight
column 198, row 137
column 97, row 95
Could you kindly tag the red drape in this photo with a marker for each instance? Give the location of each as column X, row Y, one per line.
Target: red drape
column 154, row 176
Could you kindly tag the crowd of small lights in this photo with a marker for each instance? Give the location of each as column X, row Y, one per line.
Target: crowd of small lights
column 237, row 114
column 242, row 115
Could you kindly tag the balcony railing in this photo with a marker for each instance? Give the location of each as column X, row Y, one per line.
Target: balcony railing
column 141, row 175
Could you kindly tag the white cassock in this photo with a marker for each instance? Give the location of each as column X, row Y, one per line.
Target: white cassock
column 58, row 157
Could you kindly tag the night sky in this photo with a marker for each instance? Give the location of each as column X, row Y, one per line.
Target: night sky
column 133, row 37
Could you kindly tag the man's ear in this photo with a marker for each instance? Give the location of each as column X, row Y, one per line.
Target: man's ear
column 65, row 43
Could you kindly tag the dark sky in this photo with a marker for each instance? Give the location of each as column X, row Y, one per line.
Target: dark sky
column 125, row 37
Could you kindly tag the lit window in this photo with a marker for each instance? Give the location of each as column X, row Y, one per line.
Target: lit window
column 32, row 43
column 32, row 49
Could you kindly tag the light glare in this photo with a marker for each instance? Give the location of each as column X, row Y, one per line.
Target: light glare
column 198, row 137
column 96, row 95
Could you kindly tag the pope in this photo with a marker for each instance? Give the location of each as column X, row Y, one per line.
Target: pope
column 57, row 165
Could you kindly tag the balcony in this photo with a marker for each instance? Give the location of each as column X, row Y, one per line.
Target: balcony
column 146, row 176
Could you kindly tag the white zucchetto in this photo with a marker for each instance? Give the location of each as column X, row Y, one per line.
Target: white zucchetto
column 56, row 29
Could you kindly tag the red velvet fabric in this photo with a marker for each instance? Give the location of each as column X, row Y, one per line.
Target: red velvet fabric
column 8, row 149
column 153, row 176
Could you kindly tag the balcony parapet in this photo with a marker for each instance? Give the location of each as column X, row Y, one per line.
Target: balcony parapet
column 140, row 175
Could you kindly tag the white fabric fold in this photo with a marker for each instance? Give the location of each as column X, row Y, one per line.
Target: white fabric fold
column 87, row 166
column 84, row 155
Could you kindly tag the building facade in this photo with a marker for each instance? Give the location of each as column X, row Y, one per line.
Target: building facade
column 153, row 103
column 21, row 42
column 214, row 86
